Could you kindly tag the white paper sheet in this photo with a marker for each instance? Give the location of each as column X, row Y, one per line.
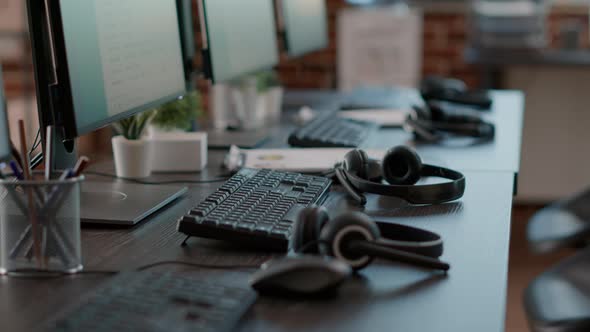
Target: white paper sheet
column 385, row 118
column 299, row 160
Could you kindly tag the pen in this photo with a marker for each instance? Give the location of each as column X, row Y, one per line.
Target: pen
column 56, row 195
column 17, row 173
column 48, row 152
column 16, row 155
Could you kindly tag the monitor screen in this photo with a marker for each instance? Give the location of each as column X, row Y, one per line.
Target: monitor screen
column 306, row 26
column 241, row 37
column 4, row 134
column 123, row 57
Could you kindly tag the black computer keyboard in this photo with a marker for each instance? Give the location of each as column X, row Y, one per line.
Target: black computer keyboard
column 255, row 208
column 149, row 301
column 329, row 130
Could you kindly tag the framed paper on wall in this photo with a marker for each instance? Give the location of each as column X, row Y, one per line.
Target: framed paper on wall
column 379, row 47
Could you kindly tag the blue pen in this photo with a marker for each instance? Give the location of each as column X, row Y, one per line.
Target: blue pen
column 17, row 172
column 2, row 167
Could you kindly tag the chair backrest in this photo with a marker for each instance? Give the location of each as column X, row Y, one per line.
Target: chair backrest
column 563, row 224
column 559, row 299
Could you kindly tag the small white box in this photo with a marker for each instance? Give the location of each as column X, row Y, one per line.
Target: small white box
column 179, row 152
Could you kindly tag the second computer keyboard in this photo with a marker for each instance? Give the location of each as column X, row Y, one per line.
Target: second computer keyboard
column 153, row 302
column 255, row 208
column 329, row 130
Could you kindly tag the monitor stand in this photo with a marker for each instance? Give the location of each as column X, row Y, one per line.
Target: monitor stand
column 115, row 202
column 120, row 203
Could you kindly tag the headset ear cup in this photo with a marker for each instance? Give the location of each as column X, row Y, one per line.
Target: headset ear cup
column 306, row 231
column 356, row 162
column 337, row 234
column 401, row 166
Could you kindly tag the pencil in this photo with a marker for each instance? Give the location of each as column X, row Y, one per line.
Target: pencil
column 48, row 152
column 27, row 176
column 81, row 165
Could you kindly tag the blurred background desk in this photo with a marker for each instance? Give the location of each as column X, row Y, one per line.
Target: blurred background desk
column 502, row 154
column 555, row 131
column 492, row 62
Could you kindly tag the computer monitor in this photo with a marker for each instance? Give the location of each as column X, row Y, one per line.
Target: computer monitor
column 112, row 59
column 304, row 25
column 239, row 37
column 5, row 150
column 187, row 40
column 97, row 62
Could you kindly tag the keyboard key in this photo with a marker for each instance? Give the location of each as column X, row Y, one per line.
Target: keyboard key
column 262, row 229
column 279, row 233
column 210, row 221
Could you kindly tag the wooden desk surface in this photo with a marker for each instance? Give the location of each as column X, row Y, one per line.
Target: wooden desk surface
column 383, row 297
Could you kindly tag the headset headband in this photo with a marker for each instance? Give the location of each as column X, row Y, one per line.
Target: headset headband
column 417, row 194
column 411, row 239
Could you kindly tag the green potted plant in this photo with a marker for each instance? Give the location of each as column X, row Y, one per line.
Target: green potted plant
column 132, row 152
column 178, row 115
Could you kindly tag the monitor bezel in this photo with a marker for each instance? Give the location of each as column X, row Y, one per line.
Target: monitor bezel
column 185, row 11
column 209, row 57
column 60, row 95
column 4, row 118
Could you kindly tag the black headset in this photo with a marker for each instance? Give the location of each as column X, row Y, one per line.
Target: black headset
column 356, row 240
column 401, row 168
column 435, row 122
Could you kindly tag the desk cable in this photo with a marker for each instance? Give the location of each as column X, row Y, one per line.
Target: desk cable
column 219, row 178
column 40, row 274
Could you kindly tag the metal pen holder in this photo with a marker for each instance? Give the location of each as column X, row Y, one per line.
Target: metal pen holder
column 40, row 226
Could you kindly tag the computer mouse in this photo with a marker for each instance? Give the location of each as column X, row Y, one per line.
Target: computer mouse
column 300, row 275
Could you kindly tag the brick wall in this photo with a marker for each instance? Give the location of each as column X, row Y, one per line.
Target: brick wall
column 445, row 38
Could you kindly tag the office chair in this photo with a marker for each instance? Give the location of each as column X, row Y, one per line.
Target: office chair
column 559, row 299
column 563, row 224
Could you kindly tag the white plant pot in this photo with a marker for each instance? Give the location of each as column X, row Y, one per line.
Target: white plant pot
column 250, row 106
column 220, row 107
column 132, row 157
column 274, row 99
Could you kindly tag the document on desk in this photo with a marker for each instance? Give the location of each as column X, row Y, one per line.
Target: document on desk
column 299, row 160
column 383, row 117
